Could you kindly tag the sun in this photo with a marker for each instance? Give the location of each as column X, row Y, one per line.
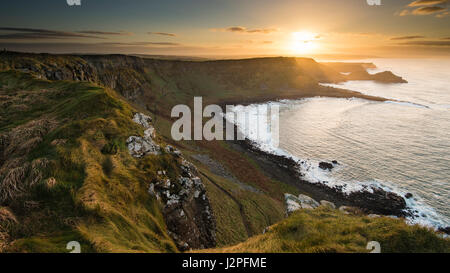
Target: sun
column 303, row 42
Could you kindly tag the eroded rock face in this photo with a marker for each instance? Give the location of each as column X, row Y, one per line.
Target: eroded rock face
column 186, row 207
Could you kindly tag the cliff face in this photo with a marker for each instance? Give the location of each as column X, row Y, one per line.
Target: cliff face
column 136, row 78
column 358, row 72
column 158, row 85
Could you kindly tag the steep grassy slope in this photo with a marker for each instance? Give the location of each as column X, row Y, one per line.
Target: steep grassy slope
column 67, row 140
column 58, row 185
column 326, row 230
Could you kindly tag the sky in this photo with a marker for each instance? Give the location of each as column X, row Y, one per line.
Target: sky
column 228, row 27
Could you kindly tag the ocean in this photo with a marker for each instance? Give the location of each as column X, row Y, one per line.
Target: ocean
column 402, row 145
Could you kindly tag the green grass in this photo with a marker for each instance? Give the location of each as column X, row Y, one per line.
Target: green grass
column 328, row 231
column 100, row 197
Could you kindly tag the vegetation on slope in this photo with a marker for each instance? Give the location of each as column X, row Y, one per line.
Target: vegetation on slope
column 92, row 191
column 82, row 191
column 325, row 230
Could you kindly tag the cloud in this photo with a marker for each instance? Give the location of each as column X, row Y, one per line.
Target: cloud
column 95, row 32
column 420, row 3
column 427, row 43
column 442, row 15
column 258, row 42
column 34, row 33
column 426, row 7
column 404, row 12
column 162, row 33
column 103, row 48
column 244, row 30
column 141, row 44
column 428, row 10
column 407, row 37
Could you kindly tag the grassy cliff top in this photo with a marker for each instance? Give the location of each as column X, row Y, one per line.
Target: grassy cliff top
column 327, row 230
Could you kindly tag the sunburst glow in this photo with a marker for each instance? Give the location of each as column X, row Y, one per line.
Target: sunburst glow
column 304, row 42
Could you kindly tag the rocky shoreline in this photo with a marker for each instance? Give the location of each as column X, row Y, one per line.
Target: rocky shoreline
column 372, row 202
column 376, row 201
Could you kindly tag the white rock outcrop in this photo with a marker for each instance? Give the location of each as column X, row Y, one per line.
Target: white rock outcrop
column 142, row 146
column 143, row 120
column 294, row 203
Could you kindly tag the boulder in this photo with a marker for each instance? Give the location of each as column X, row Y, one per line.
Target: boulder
column 294, row 203
column 408, row 195
column 139, row 147
column 326, row 166
column 445, row 230
column 171, row 150
column 142, row 119
column 348, row 210
column 328, row 204
column 307, row 202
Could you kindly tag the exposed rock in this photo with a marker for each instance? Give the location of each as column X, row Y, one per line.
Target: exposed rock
column 143, row 120
column 139, row 147
column 186, row 208
column 374, row 216
column 345, row 209
column 379, row 201
column 445, row 230
column 171, row 150
column 369, row 200
column 408, row 195
column 328, row 204
column 326, row 166
column 294, row 203
column 335, row 162
column 142, row 146
column 307, row 202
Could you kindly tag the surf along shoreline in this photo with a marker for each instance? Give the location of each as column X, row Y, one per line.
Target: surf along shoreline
column 369, row 201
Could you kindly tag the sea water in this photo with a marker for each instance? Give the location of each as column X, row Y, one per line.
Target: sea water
column 402, row 145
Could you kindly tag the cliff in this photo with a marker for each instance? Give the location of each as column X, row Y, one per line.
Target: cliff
column 86, row 153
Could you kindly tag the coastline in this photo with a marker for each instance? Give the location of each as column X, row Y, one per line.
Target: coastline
column 321, row 91
column 371, row 200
